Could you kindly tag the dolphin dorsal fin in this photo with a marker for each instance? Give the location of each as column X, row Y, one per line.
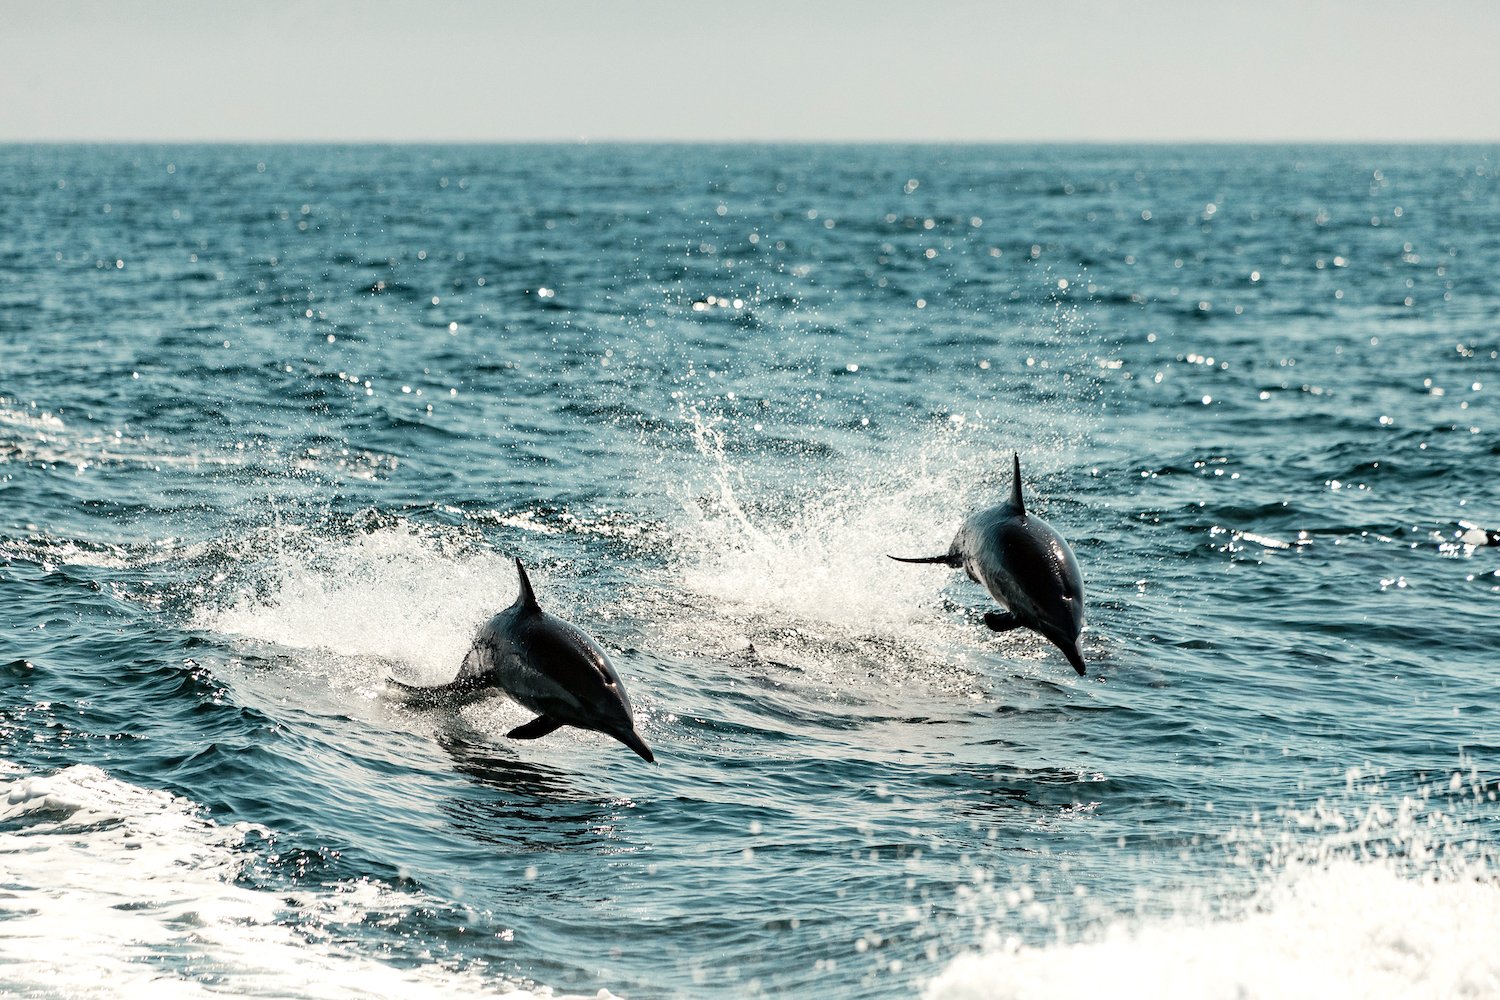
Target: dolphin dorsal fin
column 527, row 597
column 1015, row 485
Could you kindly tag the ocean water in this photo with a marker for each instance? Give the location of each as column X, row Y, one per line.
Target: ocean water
column 274, row 422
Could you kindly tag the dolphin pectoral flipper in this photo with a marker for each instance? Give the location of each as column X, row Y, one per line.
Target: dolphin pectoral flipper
column 1001, row 621
column 535, row 729
column 473, row 677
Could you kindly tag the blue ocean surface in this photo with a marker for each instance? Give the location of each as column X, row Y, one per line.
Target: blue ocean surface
column 275, row 421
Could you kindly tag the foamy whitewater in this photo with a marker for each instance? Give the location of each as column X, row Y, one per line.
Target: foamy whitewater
column 114, row 890
column 274, row 424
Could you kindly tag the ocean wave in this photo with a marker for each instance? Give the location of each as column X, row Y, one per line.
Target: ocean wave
column 1348, row 929
column 1353, row 897
column 117, row 890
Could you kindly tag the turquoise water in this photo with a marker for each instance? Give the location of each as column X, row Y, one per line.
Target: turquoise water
column 274, row 421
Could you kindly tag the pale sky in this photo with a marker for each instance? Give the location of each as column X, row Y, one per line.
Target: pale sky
column 711, row 70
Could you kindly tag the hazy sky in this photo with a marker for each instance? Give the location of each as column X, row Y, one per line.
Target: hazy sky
column 714, row 70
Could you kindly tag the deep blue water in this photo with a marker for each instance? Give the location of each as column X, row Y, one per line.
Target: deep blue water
column 273, row 422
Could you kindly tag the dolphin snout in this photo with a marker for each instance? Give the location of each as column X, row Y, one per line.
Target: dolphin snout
column 1074, row 652
column 630, row 738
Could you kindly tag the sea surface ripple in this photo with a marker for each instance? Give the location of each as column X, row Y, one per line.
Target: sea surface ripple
column 275, row 421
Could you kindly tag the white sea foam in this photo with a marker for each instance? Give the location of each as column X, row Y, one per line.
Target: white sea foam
column 39, row 436
column 112, row 890
column 33, row 420
column 49, row 553
column 1357, row 900
column 1349, row 929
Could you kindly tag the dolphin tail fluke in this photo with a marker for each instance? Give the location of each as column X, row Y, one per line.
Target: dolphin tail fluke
column 946, row 560
column 1015, row 484
column 631, row 739
column 527, row 597
column 440, row 693
column 473, row 668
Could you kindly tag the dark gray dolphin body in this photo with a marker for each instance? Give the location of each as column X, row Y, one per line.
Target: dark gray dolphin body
column 549, row 666
column 1026, row 566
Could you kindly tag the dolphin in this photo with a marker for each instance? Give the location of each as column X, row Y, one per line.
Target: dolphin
column 549, row 666
column 1026, row 566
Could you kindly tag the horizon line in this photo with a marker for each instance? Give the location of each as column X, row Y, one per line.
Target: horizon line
column 619, row 141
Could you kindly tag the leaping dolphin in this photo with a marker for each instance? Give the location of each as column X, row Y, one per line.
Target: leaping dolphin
column 1026, row 566
column 549, row 666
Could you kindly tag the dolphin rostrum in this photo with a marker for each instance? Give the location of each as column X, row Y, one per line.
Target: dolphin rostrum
column 549, row 666
column 1026, row 566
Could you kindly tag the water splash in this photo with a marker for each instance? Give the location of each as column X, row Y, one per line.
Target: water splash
column 815, row 550
column 396, row 594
